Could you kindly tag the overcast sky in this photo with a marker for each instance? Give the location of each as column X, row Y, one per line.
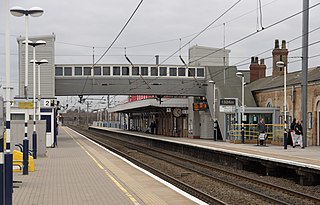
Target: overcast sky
column 80, row 25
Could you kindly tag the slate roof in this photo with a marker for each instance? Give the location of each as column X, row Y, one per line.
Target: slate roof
column 294, row 78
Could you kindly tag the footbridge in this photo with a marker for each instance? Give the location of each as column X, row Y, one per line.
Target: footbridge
column 172, row 80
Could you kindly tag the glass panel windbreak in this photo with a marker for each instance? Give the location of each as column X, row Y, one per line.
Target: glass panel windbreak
column 144, row 70
column 191, row 72
column 200, row 72
column 154, row 71
column 135, row 70
column 116, row 70
column 163, row 71
column 78, row 71
column 58, row 71
column 173, row 71
column 67, row 71
column 181, row 71
column 87, row 70
column 125, row 70
column 97, row 70
column 106, row 70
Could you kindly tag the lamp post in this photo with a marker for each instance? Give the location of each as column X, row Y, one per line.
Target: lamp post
column 43, row 61
column 6, row 158
column 19, row 12
column 34, row 133
column 240, row 75
column 281, row 64
column 214, row 111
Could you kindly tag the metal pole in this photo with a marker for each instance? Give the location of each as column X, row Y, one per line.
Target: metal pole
column 304, row 83
column 214, row 110
column 6, row 158
column 34, row 134
column 26, row 140
column 285, row 135
column 39, row 95
column 242, row 116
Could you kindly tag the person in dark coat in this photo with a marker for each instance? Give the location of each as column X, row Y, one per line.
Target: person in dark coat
column 262, row 129
column 152, row 127
column 299, row 134
column 291, row 132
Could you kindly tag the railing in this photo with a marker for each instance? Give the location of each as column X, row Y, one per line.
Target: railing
column 274, row 133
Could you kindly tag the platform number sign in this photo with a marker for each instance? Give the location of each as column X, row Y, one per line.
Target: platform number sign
column 47, row 103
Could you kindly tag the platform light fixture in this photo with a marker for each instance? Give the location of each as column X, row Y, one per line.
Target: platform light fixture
column 240, row 75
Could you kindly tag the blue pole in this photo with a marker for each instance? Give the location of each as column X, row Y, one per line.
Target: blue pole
column 285, row 139
column 242, row 133
column 1, row 172
column 34, row 144
column 25, row 150
column 8, row 178
column 215, row 130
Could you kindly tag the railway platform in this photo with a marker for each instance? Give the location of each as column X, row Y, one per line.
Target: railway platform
column 272, row 158
column 79, row 171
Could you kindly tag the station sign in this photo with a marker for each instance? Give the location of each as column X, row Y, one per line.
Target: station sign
column 25, row 105
column 228, row 101
column 47, row 103
column 228, row 105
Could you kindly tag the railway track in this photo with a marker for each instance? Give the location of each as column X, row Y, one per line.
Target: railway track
column 259, row 189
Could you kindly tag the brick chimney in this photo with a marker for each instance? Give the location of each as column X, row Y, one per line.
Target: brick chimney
column 279, row 54
column 257, row 70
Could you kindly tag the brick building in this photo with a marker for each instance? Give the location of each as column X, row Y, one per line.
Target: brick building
column 269, row 91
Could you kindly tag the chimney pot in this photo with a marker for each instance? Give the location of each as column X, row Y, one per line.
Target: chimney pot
column 252, row 59
column 276, row 43
column 261, row 61
column 283, row 46
column 256, row 60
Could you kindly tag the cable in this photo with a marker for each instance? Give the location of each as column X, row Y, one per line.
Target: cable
column 136, row 9
column 203, row 30
column 254, row 33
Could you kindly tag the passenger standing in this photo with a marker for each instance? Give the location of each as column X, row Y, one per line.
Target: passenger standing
column 299, row 134
column 152, row 126
column 292, row 136
column 261, row 128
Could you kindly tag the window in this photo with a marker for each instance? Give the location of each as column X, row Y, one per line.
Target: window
column 135, row 70
column 125, row 70
column 106, row 70
column 173, row 71
column 200, row 72
column 67, row 71
column 87, row 70
column 154, row 71
column 97, row 70
column 181, row 71
column 58, row 71
column 116, row 70
column 144, row 70
column 78, row 71
column 191, row 72
column 163, row 71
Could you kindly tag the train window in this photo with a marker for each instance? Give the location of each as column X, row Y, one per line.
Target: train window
column 87, row 70
column 135, row 70
column 163, row 71
column 97, row 70
column 144, row 70
column 58, row 71
column 173, row 71
column 106, row 70
column 78, row 71
column 181, row 71
column 116, row 70
column 125, row 70
column 191, row 72
column 154, row 71
column 200, row 72
column 67, row 71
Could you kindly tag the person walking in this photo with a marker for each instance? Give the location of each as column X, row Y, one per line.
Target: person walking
column 299, row 134
column 292, row 136
column 261, row 128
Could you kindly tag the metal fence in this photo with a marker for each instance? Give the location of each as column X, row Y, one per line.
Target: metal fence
column 274, row 133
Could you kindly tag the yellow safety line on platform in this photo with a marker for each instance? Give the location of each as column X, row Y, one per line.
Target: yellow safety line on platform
column 106, row 172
